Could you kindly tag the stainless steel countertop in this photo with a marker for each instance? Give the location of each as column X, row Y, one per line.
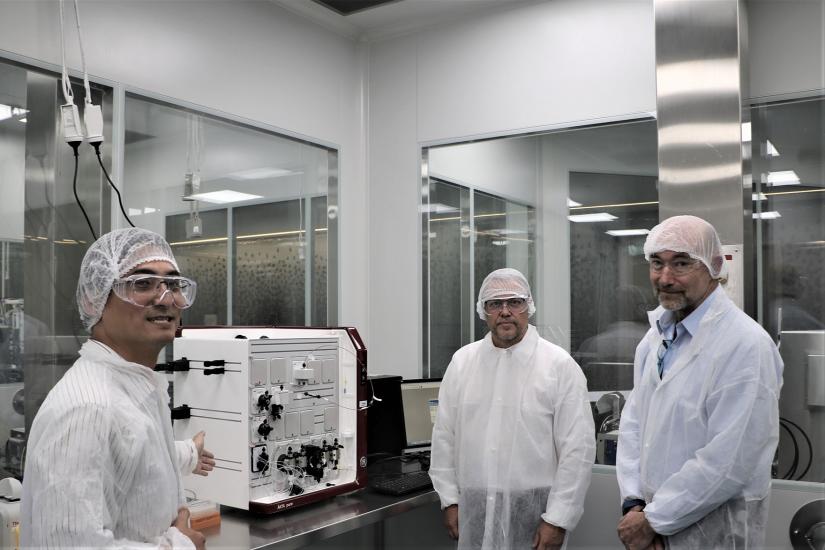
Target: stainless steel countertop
column 310, row 523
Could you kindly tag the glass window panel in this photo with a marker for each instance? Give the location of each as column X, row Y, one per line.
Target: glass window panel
column 503, row 238
column 447, row 241
column 204, row 258
column 788, row 160
column 269, row 264
column 228, row 194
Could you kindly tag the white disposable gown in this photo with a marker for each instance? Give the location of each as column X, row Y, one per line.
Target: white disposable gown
column 698, row 444
column 513, row 441
column 102, row 468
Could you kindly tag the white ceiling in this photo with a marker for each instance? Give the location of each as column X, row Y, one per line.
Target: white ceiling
column 396, row 18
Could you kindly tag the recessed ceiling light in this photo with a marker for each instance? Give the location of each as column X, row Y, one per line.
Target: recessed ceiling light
column 772, row 215
column 261, row 173
column 746, row 132
column 591, row 218
column 223, row 197
column 572, row 204
column 501, row 242
column 770, row 150
column 782, row 177
column 627, row 232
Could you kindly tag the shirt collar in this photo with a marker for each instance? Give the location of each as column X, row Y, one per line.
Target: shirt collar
column 662, row 319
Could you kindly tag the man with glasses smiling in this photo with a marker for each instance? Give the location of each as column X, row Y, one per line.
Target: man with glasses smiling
column 698, row 434
column 102, row 468
column 512, row 445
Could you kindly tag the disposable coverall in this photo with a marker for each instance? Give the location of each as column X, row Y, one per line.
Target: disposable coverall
column 697, row 445
column 513, row 441
column 102, row 468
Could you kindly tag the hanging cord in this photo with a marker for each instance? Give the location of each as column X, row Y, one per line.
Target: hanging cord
column 74, row 145
column 68, row 95
column 119, row 198
column 82, row 54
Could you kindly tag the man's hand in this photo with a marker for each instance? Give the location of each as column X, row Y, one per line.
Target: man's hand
column 182, row 523
column 548, row 537
column 206, row 460
column 451, row 520
column 636, row 533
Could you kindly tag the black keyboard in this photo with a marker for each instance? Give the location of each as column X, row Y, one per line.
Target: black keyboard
column 402, row 484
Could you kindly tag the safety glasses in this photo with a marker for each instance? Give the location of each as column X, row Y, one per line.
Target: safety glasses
column 146, row 290
column 514, row 305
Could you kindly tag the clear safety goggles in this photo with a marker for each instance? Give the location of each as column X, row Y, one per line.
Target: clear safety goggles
column 514, row 305
column 146, row 290
column 678, row 266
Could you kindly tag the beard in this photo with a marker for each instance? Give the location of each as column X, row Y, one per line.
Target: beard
column 672, row 301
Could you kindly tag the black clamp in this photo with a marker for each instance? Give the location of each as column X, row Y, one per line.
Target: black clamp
column 181, row 413
column 178, row 365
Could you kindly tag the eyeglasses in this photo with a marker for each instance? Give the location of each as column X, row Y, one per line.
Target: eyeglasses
column 679, row 266
column 514, row 305
column 144, row 290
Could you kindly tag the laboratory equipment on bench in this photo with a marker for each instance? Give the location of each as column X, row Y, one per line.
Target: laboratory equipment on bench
column 284, row 411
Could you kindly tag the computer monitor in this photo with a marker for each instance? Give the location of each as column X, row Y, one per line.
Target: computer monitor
column 420, row 402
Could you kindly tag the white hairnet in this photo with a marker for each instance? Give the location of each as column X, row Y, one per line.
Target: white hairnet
column 111, row 257
column 504, row 283
column 691, row 235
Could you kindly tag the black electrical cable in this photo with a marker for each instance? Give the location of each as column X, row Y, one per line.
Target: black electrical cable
column 74, row 145
column 96, row 146
column 810, row 446
column 795, row 463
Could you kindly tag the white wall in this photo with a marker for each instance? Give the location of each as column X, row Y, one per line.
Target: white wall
column 786, row 46
column 247, row 58
column 551, row 63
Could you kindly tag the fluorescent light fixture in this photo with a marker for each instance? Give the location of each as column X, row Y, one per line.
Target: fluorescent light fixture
column 746, row 132
column 261, row 173
column 591, row 218
column 783, row 177
column 438, row 208
column 135, row 212
column 772, row 215
column 759, row 197
column 223, row 197
column 572, row 204
column 770, row 150
column 23, row 120
column 149, row 210
column 502, row 242
column 627, row 232
column 7, row 111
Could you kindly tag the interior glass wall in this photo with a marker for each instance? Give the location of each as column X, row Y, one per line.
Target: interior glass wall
column 248, row 211
column 43, row 237
column 788, row 152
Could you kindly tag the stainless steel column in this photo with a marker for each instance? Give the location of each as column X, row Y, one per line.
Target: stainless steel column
column 699, row 109
column 701, row 80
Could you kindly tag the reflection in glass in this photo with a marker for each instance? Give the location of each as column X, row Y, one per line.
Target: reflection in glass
column 788, row 152
column 245, row 210
column 447, row 251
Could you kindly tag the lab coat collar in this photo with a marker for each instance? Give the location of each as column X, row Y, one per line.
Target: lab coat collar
column 98, row 352
column 520, row 353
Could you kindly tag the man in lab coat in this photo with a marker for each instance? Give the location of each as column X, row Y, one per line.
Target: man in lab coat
column 102, row 469
column 512, row 445
column 698, row 434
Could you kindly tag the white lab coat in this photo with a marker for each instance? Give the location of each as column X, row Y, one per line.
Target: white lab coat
column 102, row 469
column 698, row 444
column 513, row 441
